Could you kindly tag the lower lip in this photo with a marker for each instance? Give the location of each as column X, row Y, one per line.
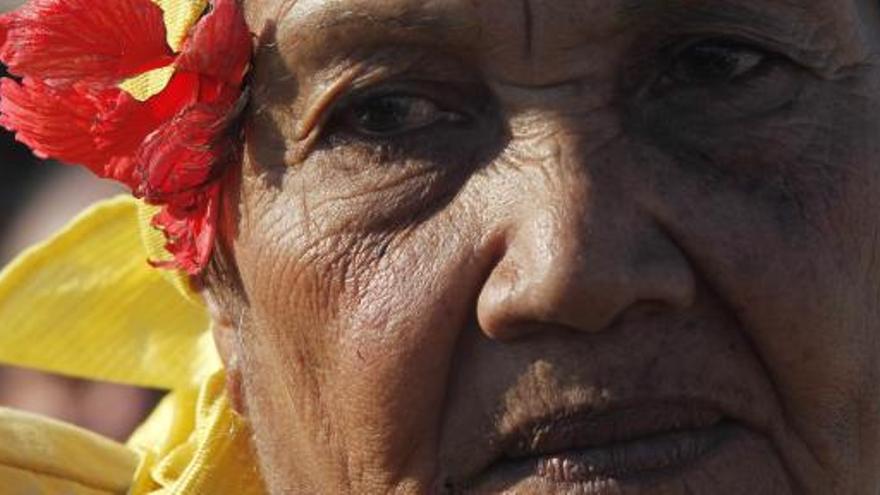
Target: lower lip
column 595, row 470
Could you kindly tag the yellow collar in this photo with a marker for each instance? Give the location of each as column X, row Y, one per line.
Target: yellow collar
column 85, row 303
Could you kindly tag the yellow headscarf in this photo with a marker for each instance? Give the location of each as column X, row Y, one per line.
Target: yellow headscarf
column 86, row 304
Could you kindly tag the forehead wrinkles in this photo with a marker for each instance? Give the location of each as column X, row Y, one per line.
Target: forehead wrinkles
column 513, row 39
column 349, row 24
column 547, row 42
column 554, row 24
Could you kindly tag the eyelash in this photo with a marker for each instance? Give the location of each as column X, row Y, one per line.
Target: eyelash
column 458, row 110
column 455, row 110
column 674, row 54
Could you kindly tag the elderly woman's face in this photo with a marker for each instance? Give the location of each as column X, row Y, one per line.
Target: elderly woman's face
column 561, row 246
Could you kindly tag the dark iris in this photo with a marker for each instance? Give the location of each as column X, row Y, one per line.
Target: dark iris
column 392, row 114
column 714, row 62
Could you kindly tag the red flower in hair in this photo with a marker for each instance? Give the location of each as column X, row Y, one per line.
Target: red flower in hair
column 70, row 57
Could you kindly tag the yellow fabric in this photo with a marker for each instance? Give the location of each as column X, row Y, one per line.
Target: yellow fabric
column 35, row 455
column 154, row 244
column 195, row 444
column 17, row 481
column 85, row 303
column 179, row 16
column 144, row 86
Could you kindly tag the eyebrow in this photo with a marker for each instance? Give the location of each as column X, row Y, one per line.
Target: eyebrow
column 781, row 25
column 407, row 21
column 371, row 20
column 705, row 11
column 788, row 26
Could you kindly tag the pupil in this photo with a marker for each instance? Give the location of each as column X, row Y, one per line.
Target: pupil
column 383, row 114
column 709, row 63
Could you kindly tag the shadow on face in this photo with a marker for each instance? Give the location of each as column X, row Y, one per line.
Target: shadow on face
column 560, row 247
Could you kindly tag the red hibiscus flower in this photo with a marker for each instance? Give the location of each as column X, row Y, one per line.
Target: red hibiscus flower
column 70, row 57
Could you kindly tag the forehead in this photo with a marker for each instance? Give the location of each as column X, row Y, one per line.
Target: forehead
column 539, row 22
column 538, row 42
column 586, row 15
column 547, row 32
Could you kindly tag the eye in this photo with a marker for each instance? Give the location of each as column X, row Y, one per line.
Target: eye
column 706, row 84
column 393, row 114
column 713, row 62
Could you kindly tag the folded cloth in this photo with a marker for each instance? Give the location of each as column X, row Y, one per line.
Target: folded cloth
column 86, row 303
column 36, row 456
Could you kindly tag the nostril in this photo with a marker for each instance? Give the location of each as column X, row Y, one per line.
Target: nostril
column 497, row 305
column 581, row 270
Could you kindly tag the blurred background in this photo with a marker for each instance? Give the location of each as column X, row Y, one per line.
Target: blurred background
column 36, row 199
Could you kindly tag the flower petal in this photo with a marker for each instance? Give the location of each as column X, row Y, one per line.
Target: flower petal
column 186, row 152
column 56, row 122
column 122, row 130
column 220, row 45
column 102, row 129
column 171, row 148
column 5, row 24
column 64, row 41
column 190, row 225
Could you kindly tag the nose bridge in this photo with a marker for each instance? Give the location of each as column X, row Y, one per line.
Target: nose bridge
column 580, row 251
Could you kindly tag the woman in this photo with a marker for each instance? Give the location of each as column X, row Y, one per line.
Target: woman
column 553, row 247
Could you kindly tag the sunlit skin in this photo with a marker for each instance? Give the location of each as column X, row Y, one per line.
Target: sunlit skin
column 462, row 219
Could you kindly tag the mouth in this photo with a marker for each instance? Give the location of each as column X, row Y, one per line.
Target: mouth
column 594, row 450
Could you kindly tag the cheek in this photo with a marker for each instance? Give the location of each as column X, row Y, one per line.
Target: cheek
column 358, row 322
column 779, row 219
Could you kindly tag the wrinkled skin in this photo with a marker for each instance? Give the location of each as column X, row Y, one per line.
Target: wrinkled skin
column 569, row 205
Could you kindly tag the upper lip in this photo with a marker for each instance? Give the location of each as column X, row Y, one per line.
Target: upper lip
column 596, row 428
column 593, row 426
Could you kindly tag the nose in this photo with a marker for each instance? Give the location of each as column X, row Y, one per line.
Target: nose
column 578, row 256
